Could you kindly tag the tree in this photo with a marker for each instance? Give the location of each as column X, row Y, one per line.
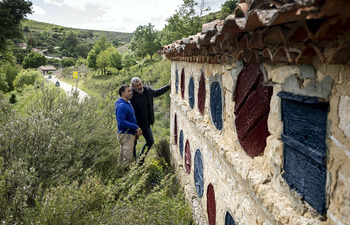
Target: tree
column 3, row 84
column 11, row 14
column 99, row 46
column 8, row 73
column 102, row 61
column 82, row 50
column 115, row 58
column 227, row 8
column 128, row 60
column 145, row 41
column 109, row 58
column 91, row 59
column 117, row 42
column 34, row 60
column 26, row 29
column 184, row 22
column 50, row 48
column 69, row 43
column 65, row 53
column 11, row 72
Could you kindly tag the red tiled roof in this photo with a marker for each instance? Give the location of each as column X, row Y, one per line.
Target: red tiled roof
column 292, row 31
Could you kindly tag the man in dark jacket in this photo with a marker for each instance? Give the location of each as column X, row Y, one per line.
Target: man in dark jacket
column 142, row 101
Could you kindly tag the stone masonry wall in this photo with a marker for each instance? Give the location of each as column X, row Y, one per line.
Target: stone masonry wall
column 236, row 188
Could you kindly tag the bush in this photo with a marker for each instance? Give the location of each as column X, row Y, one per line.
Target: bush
column 58, row 143
column 58, row 164
column 150, row 195
column 80, row 61
column 67, row 62
column 74, row 203
column 27, row 77
column 13, row 98
column 3, row 83
column 54, row 62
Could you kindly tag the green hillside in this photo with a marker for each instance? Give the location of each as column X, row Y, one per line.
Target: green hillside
column 33, row 28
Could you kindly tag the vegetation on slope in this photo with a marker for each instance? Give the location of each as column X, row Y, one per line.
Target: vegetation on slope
column 58, row 164
column 58, row 158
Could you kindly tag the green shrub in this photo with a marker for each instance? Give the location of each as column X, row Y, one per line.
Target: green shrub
column 74, row 203
column 80, row 61
column 5, row 110
column 58, row 142
column 67, row 62
column 58, row 163
column 27, row 77
column 141, row 201
column 3, row 83
column 13, row 98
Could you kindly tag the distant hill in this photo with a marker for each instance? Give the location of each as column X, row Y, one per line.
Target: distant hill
column 33, row 28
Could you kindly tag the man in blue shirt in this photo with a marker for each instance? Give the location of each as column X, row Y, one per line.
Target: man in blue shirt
column 128, row 129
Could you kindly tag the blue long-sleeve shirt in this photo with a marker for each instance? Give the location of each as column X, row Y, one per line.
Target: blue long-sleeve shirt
column 125, row 116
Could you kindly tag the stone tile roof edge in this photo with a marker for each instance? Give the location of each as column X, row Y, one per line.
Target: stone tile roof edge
column 250, row 21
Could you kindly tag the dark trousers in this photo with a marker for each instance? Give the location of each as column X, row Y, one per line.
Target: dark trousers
column 148, row 135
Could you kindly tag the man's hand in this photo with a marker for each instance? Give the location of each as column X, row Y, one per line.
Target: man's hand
column 138, row 132
column 169, row 83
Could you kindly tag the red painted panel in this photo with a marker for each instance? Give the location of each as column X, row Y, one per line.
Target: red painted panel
column 201, row 94
column 255, row 142
column 187, row 157
column 175, row 129
column 211, row 205
column 254, row 109
column 246, row 83
column 183, row 83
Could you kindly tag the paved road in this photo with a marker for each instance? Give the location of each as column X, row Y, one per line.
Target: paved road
column 69, row 88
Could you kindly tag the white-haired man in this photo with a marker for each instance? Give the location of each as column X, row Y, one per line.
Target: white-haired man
column 142, row 101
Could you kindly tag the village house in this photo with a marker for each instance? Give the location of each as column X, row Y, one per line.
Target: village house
column 47, row 69
column 260, row 125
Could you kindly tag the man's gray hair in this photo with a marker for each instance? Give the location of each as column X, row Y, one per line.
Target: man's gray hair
column 135, row 80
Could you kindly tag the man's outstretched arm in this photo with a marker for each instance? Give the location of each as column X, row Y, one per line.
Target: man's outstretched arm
column 162, row 90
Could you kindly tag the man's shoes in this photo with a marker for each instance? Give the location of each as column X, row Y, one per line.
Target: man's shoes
column 142, row 160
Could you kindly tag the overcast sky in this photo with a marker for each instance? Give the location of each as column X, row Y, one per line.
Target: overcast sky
column 110, row 15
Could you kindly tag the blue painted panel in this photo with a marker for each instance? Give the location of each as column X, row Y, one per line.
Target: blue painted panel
column 216, row 104
column 304, row 136
column 191, row 93
column 181, row 143
column 228, row 219
column 176, row 81
column 305, row 120
column 198, row 173
column 306, row 177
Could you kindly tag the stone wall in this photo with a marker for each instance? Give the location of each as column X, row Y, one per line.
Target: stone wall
column 225, row 183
